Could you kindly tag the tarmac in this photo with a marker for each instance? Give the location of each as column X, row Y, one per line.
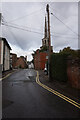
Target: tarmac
column 61, row 87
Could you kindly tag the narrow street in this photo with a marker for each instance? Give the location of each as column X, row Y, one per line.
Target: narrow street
column 24, row 98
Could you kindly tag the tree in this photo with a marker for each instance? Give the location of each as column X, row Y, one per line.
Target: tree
column 71, row 52
column 44, row 48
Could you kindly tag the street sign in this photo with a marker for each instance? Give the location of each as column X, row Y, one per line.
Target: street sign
column 46, row 57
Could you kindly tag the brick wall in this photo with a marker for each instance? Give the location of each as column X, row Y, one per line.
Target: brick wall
column 13, row 58
column 73, row 72
column 40, row 60
column 21, row 63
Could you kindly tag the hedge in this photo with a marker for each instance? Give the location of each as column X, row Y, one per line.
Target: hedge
column 58, row 67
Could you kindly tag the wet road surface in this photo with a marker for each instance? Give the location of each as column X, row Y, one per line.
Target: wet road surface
column 24, row 98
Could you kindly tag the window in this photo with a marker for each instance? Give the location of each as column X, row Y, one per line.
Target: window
column 45, row 42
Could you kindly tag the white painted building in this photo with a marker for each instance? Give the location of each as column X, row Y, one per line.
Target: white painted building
column 31, row 66
column 4, row 54
column 0, row 26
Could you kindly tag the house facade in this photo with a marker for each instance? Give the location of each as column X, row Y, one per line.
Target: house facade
column 40, row 60
column 13, row 60
column 4, row 54
column 17, row 62
column 21, row 62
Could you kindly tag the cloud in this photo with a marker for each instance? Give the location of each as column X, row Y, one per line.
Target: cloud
column 31, row 16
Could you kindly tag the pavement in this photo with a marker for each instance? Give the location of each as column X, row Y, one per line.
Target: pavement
column 61, row 87
column 7, row 72
column 22, row 98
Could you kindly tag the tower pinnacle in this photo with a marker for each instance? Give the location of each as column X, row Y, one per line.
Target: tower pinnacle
column 45, row 33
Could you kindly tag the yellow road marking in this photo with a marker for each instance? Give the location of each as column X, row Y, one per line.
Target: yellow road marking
column 6, row 76
column 57, row 93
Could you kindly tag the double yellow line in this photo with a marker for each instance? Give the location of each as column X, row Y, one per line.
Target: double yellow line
column 6, row 76
column 57, row 93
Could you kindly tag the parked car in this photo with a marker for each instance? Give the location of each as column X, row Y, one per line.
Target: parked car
column 45, row 71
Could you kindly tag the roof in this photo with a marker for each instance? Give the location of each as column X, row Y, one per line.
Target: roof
column 13, row 54
column 4, row 39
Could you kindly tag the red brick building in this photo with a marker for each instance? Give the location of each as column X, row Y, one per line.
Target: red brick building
column 17, row 62
column 40, row 59
column 13, row 59
column 21, row 62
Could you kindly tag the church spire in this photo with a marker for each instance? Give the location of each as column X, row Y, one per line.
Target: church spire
column 45, row 34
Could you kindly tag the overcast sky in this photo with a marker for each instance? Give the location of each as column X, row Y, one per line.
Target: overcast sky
column 31, row 17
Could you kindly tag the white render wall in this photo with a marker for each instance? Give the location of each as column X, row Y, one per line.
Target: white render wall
column 2, row 44
column 1, row 53
column 7, row 58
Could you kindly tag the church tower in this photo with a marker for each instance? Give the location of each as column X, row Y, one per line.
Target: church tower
column 45, row 39
column 45, row 32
